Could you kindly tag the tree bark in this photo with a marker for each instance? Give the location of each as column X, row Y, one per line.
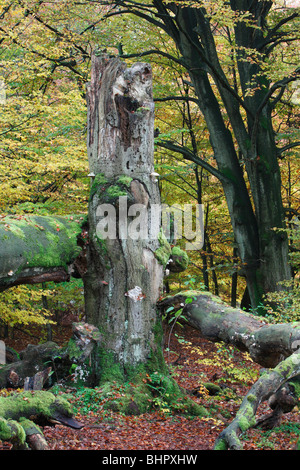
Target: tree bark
column 35, row 249
column 124, row 276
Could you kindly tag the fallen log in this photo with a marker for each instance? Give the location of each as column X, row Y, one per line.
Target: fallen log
column 268, row 344
column 22, row 414
column 32, row 370
column 38, row 249
column 35, row 249
column 262, row 390
column 273, row 346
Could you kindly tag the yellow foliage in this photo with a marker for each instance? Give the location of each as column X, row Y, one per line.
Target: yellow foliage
column 22, row 305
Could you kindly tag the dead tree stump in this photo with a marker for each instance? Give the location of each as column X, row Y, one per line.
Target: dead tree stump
column 124, row 277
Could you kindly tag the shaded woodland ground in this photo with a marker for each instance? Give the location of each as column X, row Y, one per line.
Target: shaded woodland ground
column 193, row 361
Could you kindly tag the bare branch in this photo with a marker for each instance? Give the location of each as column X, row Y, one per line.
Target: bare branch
column 154, row 51
column 273, row 35
column 176, row 98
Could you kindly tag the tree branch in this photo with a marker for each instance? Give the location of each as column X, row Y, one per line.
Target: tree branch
column 154, row 51
column 272, row 89
column 176, row 98
column 193, row 158
column 287, row 147
column 270, row 36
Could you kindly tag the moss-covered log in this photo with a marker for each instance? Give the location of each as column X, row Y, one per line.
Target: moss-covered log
column 22, row 414
column 262, row 390
column 37, row 249
column 275, row 346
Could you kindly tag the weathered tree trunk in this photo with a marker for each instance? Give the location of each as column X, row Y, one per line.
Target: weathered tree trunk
column 124, row 277
column 35, row 249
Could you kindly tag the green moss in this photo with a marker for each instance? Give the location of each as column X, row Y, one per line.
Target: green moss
column 251, row 398
column 136, row 389
column 110, row 189
column 99, row 181
column 246, row 418
column 221, row 445
column 17, row 410
column 111, row 371
column 180, row 257
column 125, row 180
column 5, row 430
column 213, row 389
column 295, row 382
column 42, row 241
column 26, row 404
column 73, row 351
column 164, row 251
column 244, row 423
column 30, row 427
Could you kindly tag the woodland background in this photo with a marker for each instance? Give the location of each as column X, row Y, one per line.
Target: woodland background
column 45, row 50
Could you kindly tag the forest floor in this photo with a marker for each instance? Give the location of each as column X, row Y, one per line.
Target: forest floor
column 193, row 361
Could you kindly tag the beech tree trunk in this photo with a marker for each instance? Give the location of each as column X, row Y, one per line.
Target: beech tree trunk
column 124, row 277
column 239, row 121
column 263, row 250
